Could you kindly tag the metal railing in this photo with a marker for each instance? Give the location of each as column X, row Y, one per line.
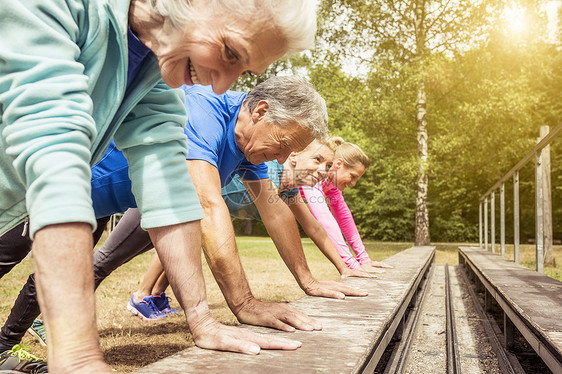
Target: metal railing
column 536, row 154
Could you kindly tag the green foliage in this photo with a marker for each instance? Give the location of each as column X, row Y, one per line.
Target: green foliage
column 286, row 66
column 487, row 95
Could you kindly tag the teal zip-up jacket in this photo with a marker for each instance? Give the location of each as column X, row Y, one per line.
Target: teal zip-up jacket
column 63, row 72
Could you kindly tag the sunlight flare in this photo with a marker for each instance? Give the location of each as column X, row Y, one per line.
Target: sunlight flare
column 515, row 19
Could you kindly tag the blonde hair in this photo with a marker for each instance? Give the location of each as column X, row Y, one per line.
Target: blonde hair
column 352, row 155
column 332, row 143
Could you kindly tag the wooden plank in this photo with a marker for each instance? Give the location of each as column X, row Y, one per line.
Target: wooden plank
column 352, row 328
column 531, row 297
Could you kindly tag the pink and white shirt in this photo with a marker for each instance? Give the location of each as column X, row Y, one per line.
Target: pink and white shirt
column 337, row 221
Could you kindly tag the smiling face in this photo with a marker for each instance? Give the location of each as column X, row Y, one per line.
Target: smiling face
column 311, row 165
column 342, row 176
column 216, row 50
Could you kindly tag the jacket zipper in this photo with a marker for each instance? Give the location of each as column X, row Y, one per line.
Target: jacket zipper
column 26, row 223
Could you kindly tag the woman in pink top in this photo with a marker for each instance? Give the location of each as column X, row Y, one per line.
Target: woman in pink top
column 350, row 163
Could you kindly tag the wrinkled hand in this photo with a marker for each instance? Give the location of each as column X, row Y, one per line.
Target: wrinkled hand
column 331, row 289
column 276, row 315
column 368, row 267
column 211, row 334
column 356, row 273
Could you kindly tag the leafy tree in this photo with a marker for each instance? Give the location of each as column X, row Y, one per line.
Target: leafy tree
column 486, row 95
column 396, row 41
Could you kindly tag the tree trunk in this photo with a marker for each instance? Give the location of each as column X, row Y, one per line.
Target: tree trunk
column 422, row 214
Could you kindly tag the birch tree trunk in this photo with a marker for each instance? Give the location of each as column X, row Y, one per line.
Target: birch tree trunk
column 422, row 214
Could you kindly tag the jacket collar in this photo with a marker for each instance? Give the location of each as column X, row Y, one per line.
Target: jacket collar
column 119, row 10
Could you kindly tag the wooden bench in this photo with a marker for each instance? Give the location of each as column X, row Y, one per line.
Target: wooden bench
column 355, row 331
column 531, row 301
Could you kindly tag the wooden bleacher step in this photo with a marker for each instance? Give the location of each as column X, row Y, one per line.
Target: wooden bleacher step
column 355, row 330
column 531, row 301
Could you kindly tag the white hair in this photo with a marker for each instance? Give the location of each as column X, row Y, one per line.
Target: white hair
column 295, row 20
column 291, row 99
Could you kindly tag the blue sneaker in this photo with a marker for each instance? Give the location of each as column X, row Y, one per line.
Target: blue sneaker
column 145, row 310
column 162, row 302
column 37, row 329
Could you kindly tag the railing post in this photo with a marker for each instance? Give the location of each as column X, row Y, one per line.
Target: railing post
column 539, row 224
column 516, row 217
column 547, row 199
column 493, row 221
column 502, row 219
column 486, row 222
column 480, row 224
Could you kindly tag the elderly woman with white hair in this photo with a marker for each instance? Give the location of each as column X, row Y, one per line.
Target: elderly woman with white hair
column 76, row 74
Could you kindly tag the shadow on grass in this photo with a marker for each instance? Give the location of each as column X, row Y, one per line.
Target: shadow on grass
column 147, row 329
column 134, row 356
column 139, row 346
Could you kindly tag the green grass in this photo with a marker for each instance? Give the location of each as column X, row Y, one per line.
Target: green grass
column 129, row 343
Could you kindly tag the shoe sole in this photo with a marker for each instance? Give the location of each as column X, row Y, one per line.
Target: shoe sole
column 37, row 336
column 134, row 310
column 170, row 313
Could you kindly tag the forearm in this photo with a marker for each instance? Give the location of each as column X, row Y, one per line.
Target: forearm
column 358, row 247
column 349, row 230
column 220, row 250
column 179, row 249
column 283, row 230
column 316, row 232
column 345, row 221
column 323, row 242
column 67, row 246
column 317, row 204
column 182, row 263
column 290, row 248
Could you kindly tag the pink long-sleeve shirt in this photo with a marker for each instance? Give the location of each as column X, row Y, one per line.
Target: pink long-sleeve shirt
column 337, row 221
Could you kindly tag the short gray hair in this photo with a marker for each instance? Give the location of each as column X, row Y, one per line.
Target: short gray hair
column 295, row 19
column 291, row 99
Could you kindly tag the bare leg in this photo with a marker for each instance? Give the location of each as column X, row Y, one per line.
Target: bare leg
column 160, row 285
column 149, row 279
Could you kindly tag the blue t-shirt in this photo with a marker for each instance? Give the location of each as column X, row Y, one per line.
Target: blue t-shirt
column 111, row 186
column 239, row 202
column 210, row 133
column 210, row 137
